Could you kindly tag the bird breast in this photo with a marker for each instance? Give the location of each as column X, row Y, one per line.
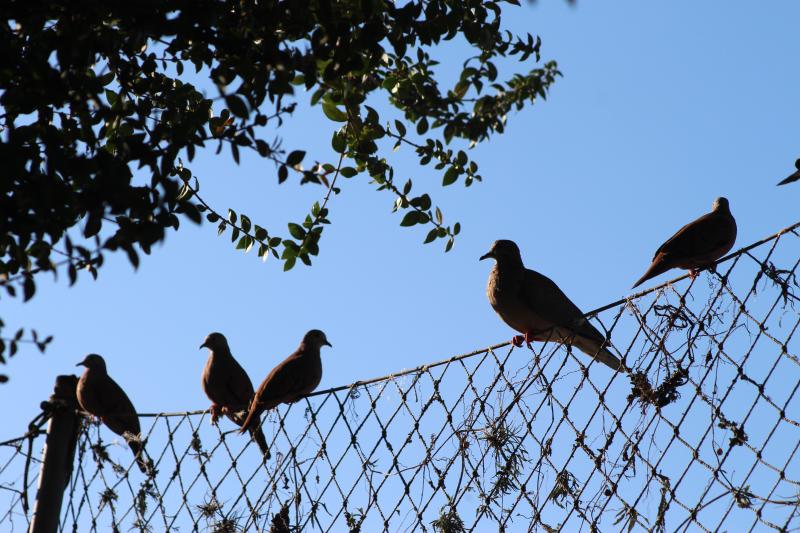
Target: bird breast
column 503, row 292
column 86, row 393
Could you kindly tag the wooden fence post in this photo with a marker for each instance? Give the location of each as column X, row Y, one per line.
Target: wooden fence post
column 58, row 455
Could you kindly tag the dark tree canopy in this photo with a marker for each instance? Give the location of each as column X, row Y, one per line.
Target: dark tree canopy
column 97, row 94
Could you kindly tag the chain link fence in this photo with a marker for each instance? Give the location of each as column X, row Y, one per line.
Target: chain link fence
column 703, row 434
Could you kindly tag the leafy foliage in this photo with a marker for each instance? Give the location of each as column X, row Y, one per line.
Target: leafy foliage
column 101, row 115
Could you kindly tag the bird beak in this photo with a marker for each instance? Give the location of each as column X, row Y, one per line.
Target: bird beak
column 82, row 363
column 487, row 255
column 328, row 344
column 203, row 346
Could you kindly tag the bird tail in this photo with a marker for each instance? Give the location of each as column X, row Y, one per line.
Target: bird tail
column 242, row 419
column 658, row 266
column 253, row 415
column 595, row 349
column 138, row 452
column 261, row 440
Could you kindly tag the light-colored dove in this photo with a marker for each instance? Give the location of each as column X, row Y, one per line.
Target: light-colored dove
column 228, row 386
column 297, row 375
column 99, row 395
column 792, row 177
column 697, row 245
column 534, row 305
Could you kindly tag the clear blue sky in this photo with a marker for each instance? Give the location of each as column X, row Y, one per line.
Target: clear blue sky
column 662, row 107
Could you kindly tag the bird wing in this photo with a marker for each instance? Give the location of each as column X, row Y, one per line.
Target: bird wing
column 284, row 382
column 117, row 410
column 704, row 235
column 226, row 383
column 547, row 300
column 239, row 386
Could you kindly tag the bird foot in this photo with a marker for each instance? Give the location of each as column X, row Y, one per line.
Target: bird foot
column 215, row 411
column 519, row 339
column 693, row 273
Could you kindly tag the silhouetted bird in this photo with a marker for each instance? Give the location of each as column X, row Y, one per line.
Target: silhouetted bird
column 296, row 376
column 534, row 305
column 697, row 245
column 228, row 386
column 100, row 396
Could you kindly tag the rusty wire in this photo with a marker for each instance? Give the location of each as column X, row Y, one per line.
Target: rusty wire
column 702, row 434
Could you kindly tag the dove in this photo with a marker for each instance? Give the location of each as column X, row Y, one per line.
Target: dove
column 99, row 395
column 228, row 386
column 697, row 245
column 532, row 304
column 295, row 377
column 793, row 177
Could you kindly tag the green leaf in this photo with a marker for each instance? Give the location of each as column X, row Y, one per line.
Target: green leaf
column 432, row 234
column 423, row 202
column 411, row 218
column 400, row 127
column 289, row 263
column 29, row 288
column 348, row 172
column 236, row 105
column 438, row 213
column 450, row 176
column 295, row 158
column 333, row 112
column 244, row 221
column 338, row 142
column 296, row 231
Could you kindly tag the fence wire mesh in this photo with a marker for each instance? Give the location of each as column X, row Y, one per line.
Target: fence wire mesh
column 702, row 434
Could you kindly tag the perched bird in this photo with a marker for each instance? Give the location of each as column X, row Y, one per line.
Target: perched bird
column 697, row 245
column 228, row 386
column 793, row 177
column 293, row 378
column 534, row 305
column 99, row 395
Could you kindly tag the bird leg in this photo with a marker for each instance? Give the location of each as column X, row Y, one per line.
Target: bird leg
column 529, row 338
column 693, row 273
column 215, row 411
column 517, row 340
